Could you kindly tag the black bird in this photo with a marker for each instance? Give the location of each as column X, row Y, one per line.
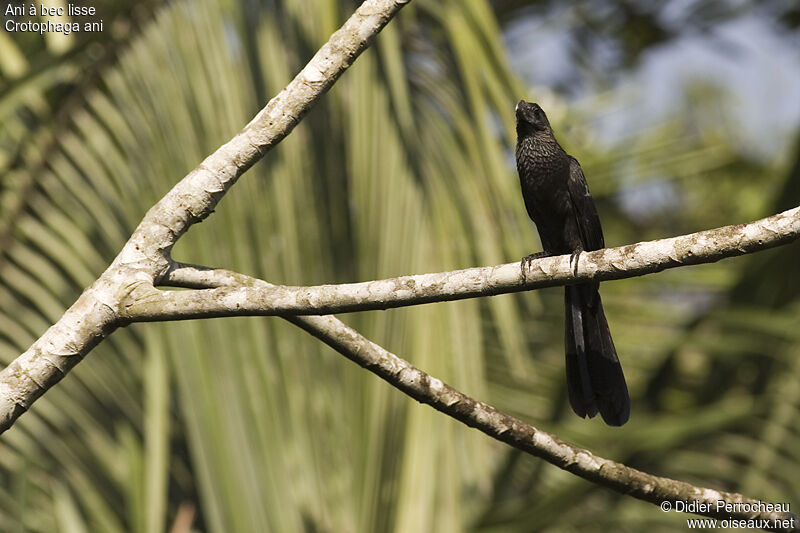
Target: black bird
column 558, row 201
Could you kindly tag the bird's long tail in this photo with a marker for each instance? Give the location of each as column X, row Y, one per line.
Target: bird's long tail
column 595, row 382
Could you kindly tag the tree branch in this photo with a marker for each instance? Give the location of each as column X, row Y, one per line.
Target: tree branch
column 145, row 257
column 123, row 291
column 610, row 263
column 427, row 389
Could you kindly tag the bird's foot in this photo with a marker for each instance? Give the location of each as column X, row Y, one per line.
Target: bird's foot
column 525, row 264
column 573, row 261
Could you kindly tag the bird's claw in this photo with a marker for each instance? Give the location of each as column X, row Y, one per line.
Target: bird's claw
column 573, row 261
column 525, row 264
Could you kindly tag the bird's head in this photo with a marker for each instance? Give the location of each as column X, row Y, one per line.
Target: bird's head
column 531, row 119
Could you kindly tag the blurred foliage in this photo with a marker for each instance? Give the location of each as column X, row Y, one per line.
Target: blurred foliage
column 632, row 27
column 405, row 166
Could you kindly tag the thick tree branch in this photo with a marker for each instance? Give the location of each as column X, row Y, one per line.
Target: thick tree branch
column 611, row 263
column 426, row 389
column 145, row 257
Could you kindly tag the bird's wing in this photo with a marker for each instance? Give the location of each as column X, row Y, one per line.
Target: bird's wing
column 585, row 210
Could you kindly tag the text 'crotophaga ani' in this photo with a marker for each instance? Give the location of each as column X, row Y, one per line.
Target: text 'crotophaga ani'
column 558, row 201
